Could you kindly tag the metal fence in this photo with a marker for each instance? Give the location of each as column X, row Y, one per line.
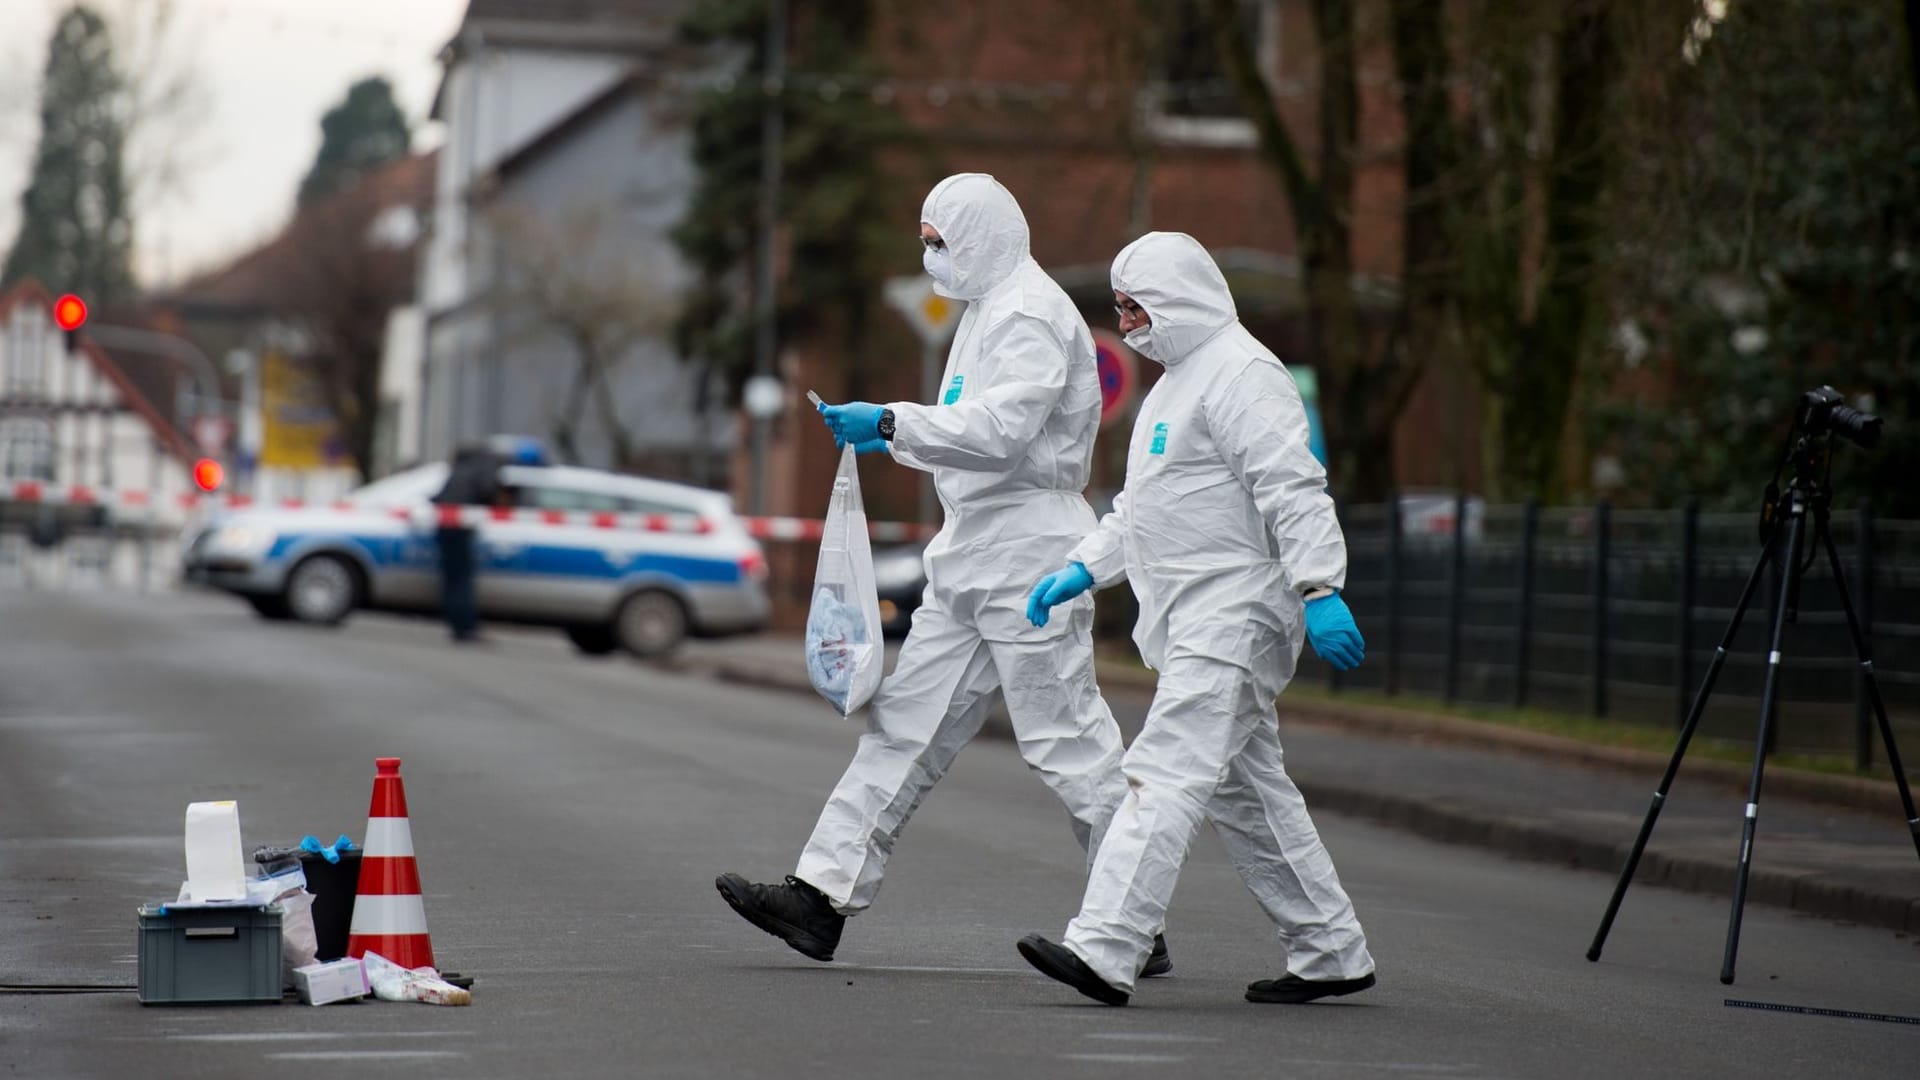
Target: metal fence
column 1616, row 614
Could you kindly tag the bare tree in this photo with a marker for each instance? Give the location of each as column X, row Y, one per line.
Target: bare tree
column 1506, row 166
column 563, row 276
column 1366, row 377
column 343, row 270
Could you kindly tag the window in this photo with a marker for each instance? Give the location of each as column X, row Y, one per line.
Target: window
column 644, row 506
column 27, row 352
column 548, row 497
column 1196, row 101
column 545, row 497
column 26, row 450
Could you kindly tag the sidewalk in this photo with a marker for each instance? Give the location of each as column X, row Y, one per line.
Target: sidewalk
column 1835, row 847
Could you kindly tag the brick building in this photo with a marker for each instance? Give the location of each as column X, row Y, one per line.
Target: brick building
column 1101, row 138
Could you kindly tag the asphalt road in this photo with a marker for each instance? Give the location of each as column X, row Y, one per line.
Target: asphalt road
column 570, row 816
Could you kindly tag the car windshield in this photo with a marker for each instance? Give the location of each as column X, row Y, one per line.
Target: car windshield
column 414, row 485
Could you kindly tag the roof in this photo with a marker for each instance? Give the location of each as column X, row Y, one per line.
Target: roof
column 564, row 128
column 250, row 281
column 29, row 291
column 585, row 26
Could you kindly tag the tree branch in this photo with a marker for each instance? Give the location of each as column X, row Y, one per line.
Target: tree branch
column 1256, row 97
column 1913, row 45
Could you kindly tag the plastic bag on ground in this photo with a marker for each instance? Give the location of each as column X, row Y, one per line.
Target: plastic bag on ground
column 391, row 982
column 299, row 945
column 845, row 656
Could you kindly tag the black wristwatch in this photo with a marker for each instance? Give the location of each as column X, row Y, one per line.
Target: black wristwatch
column 885, row 424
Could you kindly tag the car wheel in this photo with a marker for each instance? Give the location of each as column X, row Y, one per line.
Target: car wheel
column 270, row 607
column 322, row 590
column 650, row 623
column 593, row 640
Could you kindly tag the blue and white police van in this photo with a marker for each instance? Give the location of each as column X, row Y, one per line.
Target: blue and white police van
column 617, row 562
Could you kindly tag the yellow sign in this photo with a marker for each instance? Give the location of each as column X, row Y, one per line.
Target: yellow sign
column 298, row 430
column 936, row 308
column 933, row 316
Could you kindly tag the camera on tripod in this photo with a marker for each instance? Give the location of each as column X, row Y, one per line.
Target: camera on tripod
column 1794, row 530
column 1822, row 412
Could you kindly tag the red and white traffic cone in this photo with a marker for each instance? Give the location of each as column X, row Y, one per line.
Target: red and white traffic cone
column 389, row 916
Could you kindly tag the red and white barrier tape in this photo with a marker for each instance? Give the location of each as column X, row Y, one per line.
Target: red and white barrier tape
column 760, row 528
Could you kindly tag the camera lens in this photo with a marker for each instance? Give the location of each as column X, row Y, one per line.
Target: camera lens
column 1862, row 429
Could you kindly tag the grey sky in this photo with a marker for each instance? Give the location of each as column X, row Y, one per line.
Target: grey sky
column 267, row 70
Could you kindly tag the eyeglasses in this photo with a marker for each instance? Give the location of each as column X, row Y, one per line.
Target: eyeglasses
column 1129, row 310
column 934, row 243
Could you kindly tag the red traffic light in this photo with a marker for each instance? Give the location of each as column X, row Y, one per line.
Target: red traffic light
column 69, row 312
column 207, row 474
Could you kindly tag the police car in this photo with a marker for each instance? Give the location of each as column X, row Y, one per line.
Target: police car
column 615, row 561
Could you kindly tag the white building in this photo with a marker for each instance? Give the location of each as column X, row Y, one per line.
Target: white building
column 93, row 479
column 549, row 115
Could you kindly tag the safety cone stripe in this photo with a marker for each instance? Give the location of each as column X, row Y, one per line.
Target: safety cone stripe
column 388, row 837
column 389, row 876
column 377, row 915
column 407, row 950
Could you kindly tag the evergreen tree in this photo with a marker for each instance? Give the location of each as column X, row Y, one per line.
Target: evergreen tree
column 76, row 225
column 1769, row 242
column 357, row 136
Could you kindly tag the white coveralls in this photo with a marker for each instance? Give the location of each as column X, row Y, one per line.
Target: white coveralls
column 1223, row 524
column 1009, row 445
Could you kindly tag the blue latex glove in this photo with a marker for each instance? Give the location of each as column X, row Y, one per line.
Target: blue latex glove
column 1331, row 632
column 1056, row 588
column 855, row 422
column 331, row 852
column 871, row 446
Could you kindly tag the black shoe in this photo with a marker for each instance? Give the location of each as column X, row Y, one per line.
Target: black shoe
column 1056, row 962
column 795, row 912
column 1159, row 963
column 1294, row 990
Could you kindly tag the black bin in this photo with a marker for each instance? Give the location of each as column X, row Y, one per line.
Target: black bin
column 333, row 886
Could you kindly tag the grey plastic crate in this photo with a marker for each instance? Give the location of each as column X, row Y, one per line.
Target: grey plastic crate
column 205, row 955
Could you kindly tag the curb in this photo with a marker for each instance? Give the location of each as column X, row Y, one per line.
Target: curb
column 1811, row 893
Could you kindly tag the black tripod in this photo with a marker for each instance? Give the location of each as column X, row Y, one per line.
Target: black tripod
column 1810, row 446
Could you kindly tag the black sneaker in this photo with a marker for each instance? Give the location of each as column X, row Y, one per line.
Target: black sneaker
column 794, row 911
column 1056, row 962
column 1294, row 990
column 1159, row 963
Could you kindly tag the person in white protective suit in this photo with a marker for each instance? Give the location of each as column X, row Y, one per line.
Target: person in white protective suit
column 1009, row 445
column 1226, row 532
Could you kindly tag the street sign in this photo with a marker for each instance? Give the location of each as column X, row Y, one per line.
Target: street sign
column 1118, row 381
column 932, row 316
column 211, row 432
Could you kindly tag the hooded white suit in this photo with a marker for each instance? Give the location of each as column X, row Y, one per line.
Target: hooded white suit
column 1009, row 445
column 1223, row 524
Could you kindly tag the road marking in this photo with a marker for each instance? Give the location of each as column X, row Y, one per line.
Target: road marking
column 1417, row 913
column 1127, row 1059
column 1149, row 1036
column 1362, row 1067
column 296, row 1036
column 922, row 969
column 363, row 1055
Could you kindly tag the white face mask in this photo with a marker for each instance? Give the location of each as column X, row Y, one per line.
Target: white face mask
column 1140, row 340
column 939, row 264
